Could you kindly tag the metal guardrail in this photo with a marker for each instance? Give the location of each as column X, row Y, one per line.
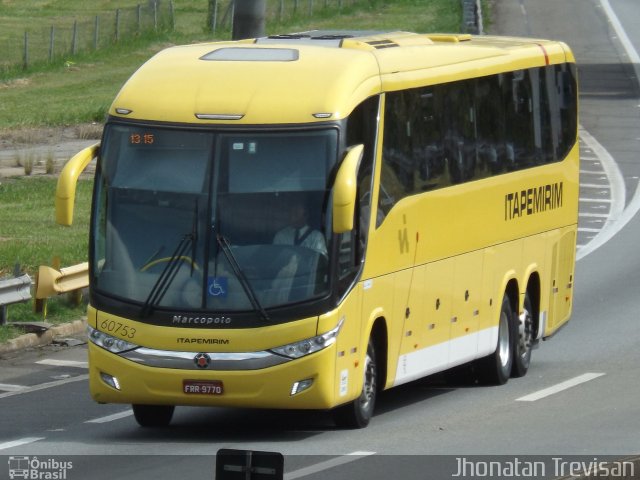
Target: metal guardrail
column 52, row 282
column 13, row 290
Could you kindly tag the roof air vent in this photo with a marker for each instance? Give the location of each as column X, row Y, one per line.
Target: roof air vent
column 251, row 54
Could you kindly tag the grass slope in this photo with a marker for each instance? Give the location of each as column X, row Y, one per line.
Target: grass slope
column 81, row 90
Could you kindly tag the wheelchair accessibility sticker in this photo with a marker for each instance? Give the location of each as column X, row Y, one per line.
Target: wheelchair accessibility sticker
column 217, row 286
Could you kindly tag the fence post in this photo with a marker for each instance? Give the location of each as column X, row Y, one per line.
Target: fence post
column 155, row 15
column 213, row 10
column 52, row 39
column 96, row 32
column 25, row 56
column 229, row 13
column 117, row 34
column 172, row 16
column 138, row 18
column 281, row 11
column 311, row 8
column 74, row 38
column 40, row 304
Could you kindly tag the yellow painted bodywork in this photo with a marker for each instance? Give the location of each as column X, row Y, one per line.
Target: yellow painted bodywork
column 436, row 269
column 264, row 388
column 176, row 84
column 344, row 193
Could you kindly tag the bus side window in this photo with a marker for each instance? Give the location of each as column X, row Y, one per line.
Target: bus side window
column 490, row 126
column 429, row 151
column 519, row 120
column 567, row 99
column 459, row 133
column 543, row 120
column 472, row 129
column 393, row 179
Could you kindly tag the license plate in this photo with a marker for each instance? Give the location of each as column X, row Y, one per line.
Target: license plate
column 202, row 387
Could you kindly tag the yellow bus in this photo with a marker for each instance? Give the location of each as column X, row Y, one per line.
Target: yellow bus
column 302, row 221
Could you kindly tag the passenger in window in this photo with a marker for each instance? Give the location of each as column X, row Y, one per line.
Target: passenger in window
column 299, row 232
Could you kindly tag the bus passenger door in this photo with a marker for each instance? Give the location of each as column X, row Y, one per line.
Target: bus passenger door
column 467, row 300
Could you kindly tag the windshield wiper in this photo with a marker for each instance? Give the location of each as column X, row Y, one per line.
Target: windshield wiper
column 167, row 276
column 174, row 263
column 251, row 295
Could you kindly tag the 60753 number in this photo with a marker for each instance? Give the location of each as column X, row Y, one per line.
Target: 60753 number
column 118, row 328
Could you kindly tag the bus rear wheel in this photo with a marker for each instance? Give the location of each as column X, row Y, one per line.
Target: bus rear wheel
column 523, row 341
column 153, row 415
column 496, row 368
column 358, row 413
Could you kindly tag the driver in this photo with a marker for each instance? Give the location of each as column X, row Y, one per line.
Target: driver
column 300, row 232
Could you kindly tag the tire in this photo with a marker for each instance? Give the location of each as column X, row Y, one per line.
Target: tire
column 153, row 416
column 358, row 413
column 523, row 342
column 495, row 369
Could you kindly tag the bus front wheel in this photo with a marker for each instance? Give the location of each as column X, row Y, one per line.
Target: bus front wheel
column 153, row 415
column 358, row 413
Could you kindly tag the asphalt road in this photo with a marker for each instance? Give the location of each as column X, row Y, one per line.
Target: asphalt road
column 580, row 396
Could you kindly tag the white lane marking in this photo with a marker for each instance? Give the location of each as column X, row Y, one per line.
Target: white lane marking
column 618, row 215
column 593, row 215
column 111, row 418
column 595, row 200
column 7, row 387
column 622, row 35
column 44, row 386
column 334, row 462
column 604, row 186
column 572, row 382
column 17, row 443
column 63, row 363
column 590, row 230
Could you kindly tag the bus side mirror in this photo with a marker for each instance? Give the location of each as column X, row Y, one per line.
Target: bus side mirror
column 344, row 190
column 67, row 181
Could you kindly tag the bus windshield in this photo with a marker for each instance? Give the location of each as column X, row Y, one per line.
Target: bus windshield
column 192, row 220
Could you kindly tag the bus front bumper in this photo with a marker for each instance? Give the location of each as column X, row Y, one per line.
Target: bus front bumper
column 303, row 383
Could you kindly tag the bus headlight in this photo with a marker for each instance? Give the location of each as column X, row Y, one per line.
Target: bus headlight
column 112, row 344
column 309, row 345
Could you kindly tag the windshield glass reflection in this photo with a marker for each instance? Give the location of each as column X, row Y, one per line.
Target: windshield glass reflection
column 265, row 194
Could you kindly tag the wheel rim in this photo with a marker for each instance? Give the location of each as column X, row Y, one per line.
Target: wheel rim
column 369, row 388
column 525, row 333
column 503, row 340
